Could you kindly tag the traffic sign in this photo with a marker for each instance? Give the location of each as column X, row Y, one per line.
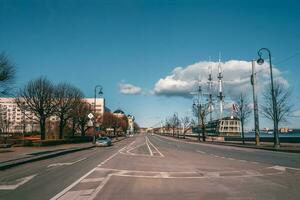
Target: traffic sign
column 90, row 116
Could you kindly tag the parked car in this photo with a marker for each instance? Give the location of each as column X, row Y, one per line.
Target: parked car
column 103, row 142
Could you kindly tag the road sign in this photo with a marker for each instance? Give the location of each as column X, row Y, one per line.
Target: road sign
column 90, row 116
column 90, row 123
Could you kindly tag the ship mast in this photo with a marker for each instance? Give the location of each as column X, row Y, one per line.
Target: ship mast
column 220, row 83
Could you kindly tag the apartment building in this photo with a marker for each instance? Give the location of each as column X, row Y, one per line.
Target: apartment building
column 14, row 120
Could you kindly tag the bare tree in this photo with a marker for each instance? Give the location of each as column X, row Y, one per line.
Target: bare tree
column 7, row 74
column 201, row 111
column 67, row 97
column 186, row 124
column 174, row 123
column 243, row 111
column 283, row 105
column 82, row 111
column 37, row 97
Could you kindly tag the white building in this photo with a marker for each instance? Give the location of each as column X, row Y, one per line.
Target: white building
column 13, row 120
column 130, row 123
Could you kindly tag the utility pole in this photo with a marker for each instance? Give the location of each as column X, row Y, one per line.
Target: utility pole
column 256, row 119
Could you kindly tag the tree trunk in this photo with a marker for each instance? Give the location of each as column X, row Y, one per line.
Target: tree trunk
column 82, row 129
column 43, row 128
column 243, row 134
column 61, row 129
column 203, row 133
column 73, row 127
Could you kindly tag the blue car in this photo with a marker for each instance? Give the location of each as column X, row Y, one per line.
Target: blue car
column 103, row 142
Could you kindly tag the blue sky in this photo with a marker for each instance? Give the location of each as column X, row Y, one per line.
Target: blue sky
column 140, row 42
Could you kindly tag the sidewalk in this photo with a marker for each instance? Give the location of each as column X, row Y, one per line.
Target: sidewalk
column 284, row 147
column 14, row 156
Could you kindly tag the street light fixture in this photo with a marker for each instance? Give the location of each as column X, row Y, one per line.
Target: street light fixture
column 98, row 88
column 260, row 61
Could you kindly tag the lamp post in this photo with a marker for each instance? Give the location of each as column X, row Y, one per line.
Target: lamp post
column 260, row 61
column 100, row 92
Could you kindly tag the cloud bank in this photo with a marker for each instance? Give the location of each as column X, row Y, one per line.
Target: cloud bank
column 182, row 81
column 129, row 89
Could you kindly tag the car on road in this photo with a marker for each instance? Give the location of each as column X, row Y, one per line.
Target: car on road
column 103, row 142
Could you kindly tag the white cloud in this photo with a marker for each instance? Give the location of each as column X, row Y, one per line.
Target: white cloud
column 184, row 80
column 296, row 113
column 128, row 89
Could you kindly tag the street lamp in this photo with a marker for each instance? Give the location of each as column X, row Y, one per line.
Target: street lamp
column 260, row 61
column 98, row 88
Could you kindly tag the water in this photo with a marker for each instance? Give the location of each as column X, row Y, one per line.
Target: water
column 262, row 134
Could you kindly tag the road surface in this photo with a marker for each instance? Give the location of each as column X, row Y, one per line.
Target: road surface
column 150, row 167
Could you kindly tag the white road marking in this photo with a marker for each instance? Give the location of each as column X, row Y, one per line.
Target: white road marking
column 150, row 151
column 88, row 180
column 59, row 195
column 230, row 158
column 243, row 160
column 20, row 182
column 99, row 188
column 283, row 168
column 70, row 163
column 155, row 148
column 129, row 150
column 78, row 195
column 200, row 151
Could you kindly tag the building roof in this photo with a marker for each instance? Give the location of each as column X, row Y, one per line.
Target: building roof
column 119, row 111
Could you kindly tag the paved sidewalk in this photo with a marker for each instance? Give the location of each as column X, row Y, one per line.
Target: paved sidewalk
column 13, row 156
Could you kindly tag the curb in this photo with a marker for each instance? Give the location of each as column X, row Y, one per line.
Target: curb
column 9, row 164
column 237, row 145
column 13, row 163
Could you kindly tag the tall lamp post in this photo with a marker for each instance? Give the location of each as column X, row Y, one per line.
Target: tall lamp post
column 98, row 88
column 260, row 61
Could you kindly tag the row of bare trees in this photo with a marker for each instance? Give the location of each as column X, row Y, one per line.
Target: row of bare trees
column 177, row 125
column 283, row 105
column 44, row 100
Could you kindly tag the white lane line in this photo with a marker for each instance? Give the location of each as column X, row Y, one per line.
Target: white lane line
column 20, row 181
column 86, row 175
column 88, row 180
column 99, row 188
column 200, row 151
column 150, row 151
column 70, row 163
column 283, row 168
column 230, row 158
column 129, row 150
column 156, row 148
column 78, row 195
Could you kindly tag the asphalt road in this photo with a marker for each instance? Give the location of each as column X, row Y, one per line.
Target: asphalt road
column 154, row 167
